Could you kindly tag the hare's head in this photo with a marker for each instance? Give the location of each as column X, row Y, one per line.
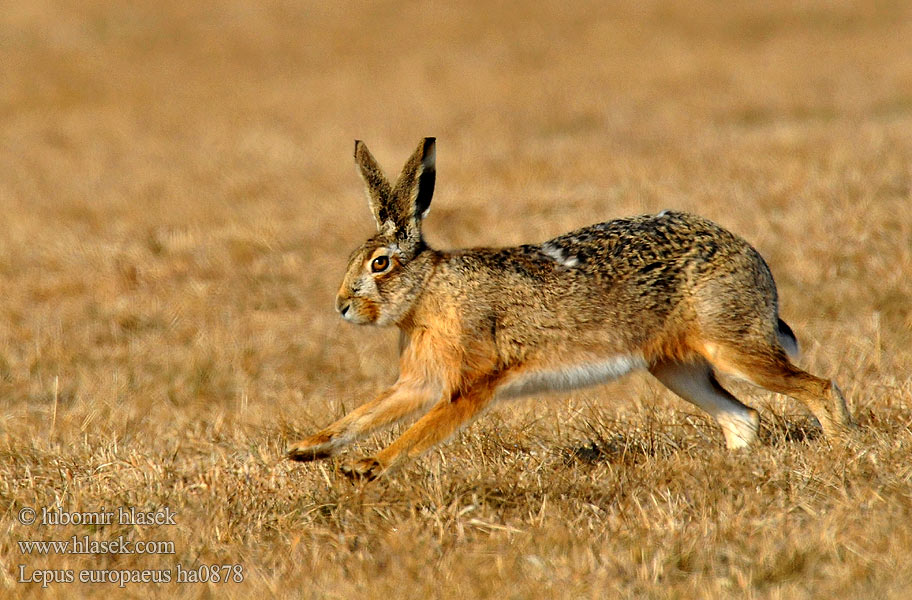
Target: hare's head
column 385, row 273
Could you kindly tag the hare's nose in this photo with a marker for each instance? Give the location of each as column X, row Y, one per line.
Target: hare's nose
column 342, row 305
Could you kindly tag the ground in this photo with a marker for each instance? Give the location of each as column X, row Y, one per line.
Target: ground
column 179, row 203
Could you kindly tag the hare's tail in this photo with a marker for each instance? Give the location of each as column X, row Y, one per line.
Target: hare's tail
column 787, row 338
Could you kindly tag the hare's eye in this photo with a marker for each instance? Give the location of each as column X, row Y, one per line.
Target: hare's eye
column 380, row 264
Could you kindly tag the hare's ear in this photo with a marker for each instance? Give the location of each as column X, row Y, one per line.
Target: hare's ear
column 399, row 210
column 379, row 193
column 415, row 185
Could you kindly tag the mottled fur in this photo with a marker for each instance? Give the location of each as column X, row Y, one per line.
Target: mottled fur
column 673, row 293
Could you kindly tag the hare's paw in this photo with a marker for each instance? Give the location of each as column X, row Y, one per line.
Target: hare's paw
column 313, row 448
column 365, row 469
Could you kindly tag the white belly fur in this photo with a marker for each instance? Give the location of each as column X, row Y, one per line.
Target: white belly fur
column 571, row 376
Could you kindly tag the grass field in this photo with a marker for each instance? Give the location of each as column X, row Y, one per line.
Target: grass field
column 179, row 202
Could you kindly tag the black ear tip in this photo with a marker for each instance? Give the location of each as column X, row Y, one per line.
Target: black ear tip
column 428, row 150
column 357, row 144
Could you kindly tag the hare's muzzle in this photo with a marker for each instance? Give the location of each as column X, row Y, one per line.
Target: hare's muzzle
column 343, row 305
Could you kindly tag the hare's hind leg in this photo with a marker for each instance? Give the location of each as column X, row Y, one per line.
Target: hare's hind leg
column 695, row 382
column 768, row 366
column 393, row 404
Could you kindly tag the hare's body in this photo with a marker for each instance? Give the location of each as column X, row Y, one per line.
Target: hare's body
column 643, row 288
column 672, row 293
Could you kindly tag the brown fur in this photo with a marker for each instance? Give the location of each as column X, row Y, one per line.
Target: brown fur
column 673, row 293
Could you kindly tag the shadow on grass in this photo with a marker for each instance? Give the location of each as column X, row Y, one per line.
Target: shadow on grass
column 615, row 442
column 626, row 448
column 777, row 429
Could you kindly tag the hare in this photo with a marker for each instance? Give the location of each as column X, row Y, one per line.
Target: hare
column 671, row 293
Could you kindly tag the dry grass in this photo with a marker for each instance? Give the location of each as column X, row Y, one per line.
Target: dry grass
column 179, row 203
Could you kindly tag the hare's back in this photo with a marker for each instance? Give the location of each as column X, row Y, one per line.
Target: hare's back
column 669, row 242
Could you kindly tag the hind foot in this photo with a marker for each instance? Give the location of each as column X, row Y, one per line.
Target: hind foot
column 739, row 428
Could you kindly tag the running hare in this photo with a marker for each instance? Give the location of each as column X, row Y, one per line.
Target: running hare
column 672, row 293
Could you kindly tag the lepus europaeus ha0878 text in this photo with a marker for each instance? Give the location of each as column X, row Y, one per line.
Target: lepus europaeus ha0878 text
column 672, row 293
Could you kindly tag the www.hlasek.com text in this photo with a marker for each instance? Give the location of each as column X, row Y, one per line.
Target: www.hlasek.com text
column 87, row 545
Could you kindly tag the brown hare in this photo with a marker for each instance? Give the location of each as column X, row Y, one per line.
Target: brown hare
column 671, row 293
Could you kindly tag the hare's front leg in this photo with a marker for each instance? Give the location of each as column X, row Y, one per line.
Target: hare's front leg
column 394, row 403
column 442, row 421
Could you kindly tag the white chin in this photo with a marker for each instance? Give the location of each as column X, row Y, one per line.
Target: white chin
column 355, row 319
